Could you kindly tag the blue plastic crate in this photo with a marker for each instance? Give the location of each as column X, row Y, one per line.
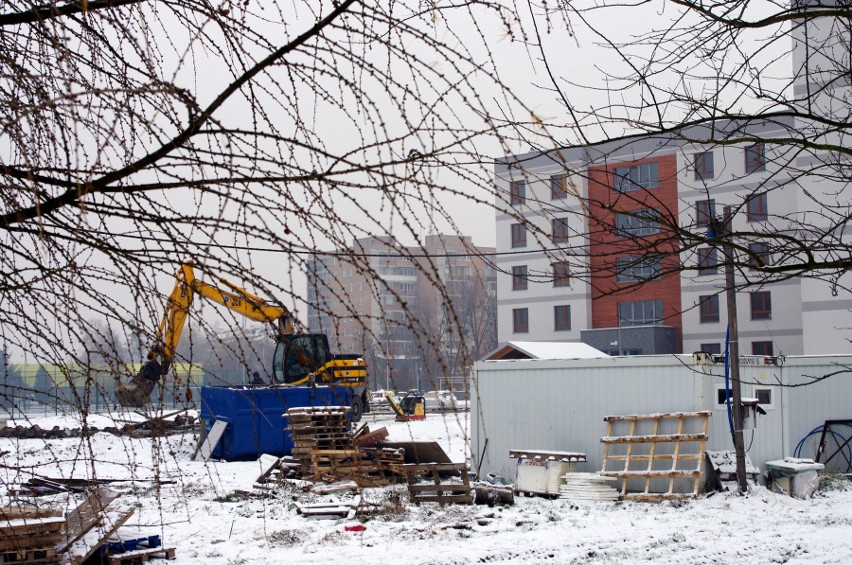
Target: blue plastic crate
column 116, row 547
column 255, row 416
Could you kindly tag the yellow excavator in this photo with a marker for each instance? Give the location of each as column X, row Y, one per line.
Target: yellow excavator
column 300, row 359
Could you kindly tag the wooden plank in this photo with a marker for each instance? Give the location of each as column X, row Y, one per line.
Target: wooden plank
column 17, row 512
column 670, row 438
column 446, row 499
column 210, row 442
column 111, row 528
column 29, row 541
column 141, row 555
column 669, row 415
column 664, row 474
column 87, row 515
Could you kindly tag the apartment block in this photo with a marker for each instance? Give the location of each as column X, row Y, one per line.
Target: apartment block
column 419, row 314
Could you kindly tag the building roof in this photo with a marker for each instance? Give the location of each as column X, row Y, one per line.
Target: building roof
column 545, row 350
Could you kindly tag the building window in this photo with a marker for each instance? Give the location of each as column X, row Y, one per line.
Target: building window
column 636, row 177
column 561, row 318
column 520, row 320
column 757, row 208
column 755, row 158
column 558, row 187
column 637, row 269
column 762, row 348
column 518, row 192
column 705, row 210
column 764, row 397
column 708, row 307
column 759, row 255
column 711, row 348
column 561, row 274
column 519, row 277
column 519, row 235
column 761, row 305
column 560, row 229
column 640, row 313
column 703, row 163
column 637, row 224
column 708, row 263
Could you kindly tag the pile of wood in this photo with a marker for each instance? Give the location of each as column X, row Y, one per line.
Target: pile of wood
column 328, row 452
column 30, row 535
column 449, row 483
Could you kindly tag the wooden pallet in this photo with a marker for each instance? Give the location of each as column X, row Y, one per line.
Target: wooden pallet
column 656, row 449
column 438, row 491
column 30, row 535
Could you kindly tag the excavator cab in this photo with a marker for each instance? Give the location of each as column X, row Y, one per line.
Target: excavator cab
column 298, row 357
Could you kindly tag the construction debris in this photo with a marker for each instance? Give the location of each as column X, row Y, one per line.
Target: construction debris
column 588, row 486
column 30, row 535
column 442, row 492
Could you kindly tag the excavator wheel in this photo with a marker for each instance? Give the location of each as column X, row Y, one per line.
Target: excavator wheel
column 357, row 408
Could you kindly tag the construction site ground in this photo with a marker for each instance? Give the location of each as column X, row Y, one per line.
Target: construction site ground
column 211, row 511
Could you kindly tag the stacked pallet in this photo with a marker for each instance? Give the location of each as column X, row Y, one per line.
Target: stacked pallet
column 588, row 486
column 30, row 535
column 328, row 452
column 439, row 490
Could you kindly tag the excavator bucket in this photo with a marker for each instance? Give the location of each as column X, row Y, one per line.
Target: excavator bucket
column 136, row 393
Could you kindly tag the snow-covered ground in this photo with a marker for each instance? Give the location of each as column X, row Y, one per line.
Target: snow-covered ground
column 198, row 509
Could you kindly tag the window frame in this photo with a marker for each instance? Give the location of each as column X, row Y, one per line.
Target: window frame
column 762, row 348
column 755, row 158
column 559, row 186
column 520, row 320
column 708, row 261
column 632, row 225
column 630, row 268
column 711, row 348
column 561, row 274
column 708, row 309
column 520, row 277
column 702, row 164
column 760, row 303
column 652, row 313
column 760, row 255
column 757, row 207
column 559, row 230
column 519, row 235
column 624, row 181
column 705, row 210
column 517, row 192
column 562, row 322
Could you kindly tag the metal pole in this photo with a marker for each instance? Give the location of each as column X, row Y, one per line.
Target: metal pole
column 734, row 350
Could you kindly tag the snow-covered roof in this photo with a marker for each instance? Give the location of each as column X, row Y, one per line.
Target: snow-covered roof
column 545, row 350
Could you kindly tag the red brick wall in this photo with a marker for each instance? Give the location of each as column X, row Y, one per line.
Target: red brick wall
column 606, row 246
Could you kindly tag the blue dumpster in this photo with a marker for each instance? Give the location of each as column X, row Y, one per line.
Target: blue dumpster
column 255, row 416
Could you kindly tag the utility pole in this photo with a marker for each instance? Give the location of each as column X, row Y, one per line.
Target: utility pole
column 723, row 228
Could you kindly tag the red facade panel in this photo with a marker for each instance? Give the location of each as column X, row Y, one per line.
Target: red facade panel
column 619, row 229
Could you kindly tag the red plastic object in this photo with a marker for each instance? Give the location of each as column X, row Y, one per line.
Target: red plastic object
column 355, row 528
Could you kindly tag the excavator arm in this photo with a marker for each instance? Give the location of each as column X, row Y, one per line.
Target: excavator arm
column 138, row 391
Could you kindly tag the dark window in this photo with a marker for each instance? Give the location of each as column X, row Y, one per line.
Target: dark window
column 755, row 158
column 757, row 208
column 636, row 177
column 561, row 274
column 762, row 348
column 518, row 191
column 707, row 261
column 722, row 396
column 761, row 305
column 560, row 229
column 640, row 313
column 703, row 165
column 519, row 235
column 519, row 277
column 763, row 395
column 558, row 187
column 636, row 269
column 712, row 348
column 520, row 320
column 760, row 255
column 561, row 318
column 637, row 224
column 708, row 307
column 705, row 210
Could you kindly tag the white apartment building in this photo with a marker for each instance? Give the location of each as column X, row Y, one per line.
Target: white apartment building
column 607, row 244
